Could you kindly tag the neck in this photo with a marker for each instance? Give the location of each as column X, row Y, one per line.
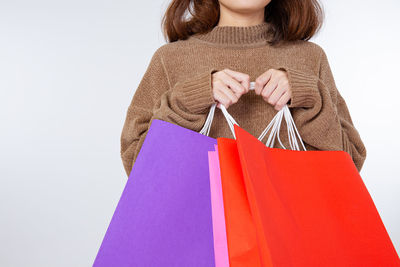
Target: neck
column 229, row 18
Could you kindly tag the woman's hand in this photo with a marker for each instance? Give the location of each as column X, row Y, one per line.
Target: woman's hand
column 273, row 85
column 228, row 86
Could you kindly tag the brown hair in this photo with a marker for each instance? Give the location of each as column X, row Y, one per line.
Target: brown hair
column 291, row 20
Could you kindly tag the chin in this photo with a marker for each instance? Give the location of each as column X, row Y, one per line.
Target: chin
column 244, row 6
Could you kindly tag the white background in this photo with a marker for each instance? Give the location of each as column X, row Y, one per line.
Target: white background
column 68, row 70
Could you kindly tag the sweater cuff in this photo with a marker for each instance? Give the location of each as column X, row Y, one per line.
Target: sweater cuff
column 304, row 88
column 197, row 92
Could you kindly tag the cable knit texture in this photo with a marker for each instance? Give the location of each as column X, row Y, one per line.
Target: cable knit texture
column 177, row 87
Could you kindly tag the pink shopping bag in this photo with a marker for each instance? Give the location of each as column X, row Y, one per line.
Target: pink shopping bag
column 217, row 207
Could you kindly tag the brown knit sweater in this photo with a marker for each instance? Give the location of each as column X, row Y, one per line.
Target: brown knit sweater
column 176, row 87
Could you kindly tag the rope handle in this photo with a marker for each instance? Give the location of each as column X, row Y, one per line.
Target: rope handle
column 274, row 126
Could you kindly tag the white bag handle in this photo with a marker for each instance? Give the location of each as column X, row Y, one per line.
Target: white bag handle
column 274, row 126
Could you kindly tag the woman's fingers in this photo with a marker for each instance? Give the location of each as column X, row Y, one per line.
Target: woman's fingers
column 262, row 80
column 282, row 101
column 269, row 88
column 237, row 88
column 273, row 85
column 229, row 86
column 275, row 95
column 224, row 95
column 240, row 81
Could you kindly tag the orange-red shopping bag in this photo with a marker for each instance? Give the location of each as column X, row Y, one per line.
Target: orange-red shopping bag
column 240, row 229
column 241, row 235
column 311, row 208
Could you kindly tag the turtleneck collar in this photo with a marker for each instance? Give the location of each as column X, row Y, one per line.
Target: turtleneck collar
column 236, row 36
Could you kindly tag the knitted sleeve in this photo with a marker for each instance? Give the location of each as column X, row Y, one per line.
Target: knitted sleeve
column 321, row 114
column 185, row 104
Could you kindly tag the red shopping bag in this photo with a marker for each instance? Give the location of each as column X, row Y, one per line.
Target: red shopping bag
column 240, row 229
column 310, row 208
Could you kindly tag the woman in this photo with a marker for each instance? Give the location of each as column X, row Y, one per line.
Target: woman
column 212, row 56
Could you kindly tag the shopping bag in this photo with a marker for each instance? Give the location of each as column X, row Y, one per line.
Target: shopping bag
column 163, row 217
column 311, row 208
column 218, row 216
column 240, row 229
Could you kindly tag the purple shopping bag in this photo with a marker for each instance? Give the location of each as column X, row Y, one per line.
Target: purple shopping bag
column 164, row 215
